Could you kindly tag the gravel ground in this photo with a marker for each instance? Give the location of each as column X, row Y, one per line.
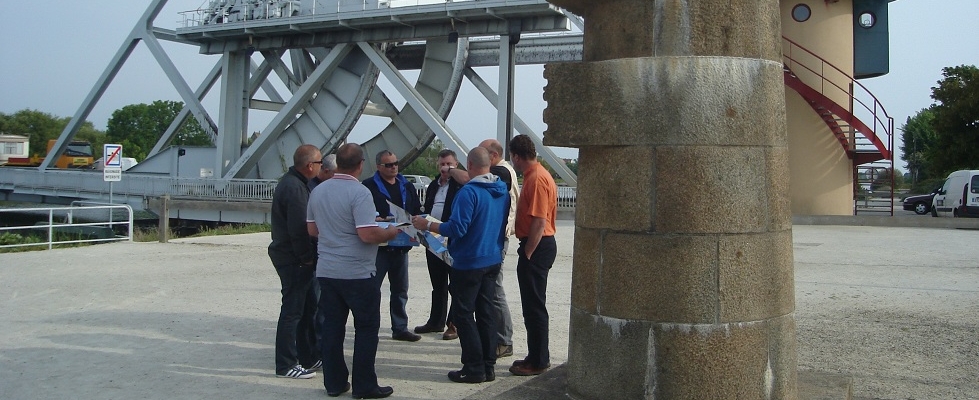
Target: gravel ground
column 896, row 309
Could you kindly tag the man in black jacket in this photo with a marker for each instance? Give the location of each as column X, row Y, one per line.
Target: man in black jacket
column 438, row 204
column 293, row 253
column 389, row 185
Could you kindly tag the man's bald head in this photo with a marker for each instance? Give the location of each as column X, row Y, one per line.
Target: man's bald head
column 478, row 162
column 495, row 150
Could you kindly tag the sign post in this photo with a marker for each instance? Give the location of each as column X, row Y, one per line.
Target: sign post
column 112, row 159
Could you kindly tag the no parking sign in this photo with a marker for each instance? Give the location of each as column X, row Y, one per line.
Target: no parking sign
column 112, row 158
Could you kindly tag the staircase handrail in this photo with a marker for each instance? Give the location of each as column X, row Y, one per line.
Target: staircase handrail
column 881, row 118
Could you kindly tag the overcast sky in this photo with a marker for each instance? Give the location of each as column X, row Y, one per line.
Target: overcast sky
column 55, row 52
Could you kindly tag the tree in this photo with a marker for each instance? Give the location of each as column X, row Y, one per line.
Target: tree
column 918, row 135
column 41, row 127
column 139, row 126
column 956, row 120
column 880, row 179
column 425, row 163
column 573, row 165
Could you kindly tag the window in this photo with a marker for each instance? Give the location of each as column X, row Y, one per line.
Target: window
column 13, row 148
column 867, row 20
column 974, row 184
column 801, row 13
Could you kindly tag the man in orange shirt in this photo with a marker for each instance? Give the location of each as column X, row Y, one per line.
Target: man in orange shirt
column 536, row 212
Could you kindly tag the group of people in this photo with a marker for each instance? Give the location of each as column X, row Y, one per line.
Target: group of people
column 327, row 224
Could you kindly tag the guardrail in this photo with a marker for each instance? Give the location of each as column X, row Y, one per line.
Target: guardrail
column 566, row 197
column 221, row 12
column 65, row 225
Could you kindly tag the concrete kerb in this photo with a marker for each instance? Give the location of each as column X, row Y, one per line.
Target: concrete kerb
column 196, row 318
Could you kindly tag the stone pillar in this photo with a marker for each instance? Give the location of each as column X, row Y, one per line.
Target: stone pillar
column 682, row 284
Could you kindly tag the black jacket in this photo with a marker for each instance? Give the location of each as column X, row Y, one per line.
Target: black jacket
column 430, row 196
column 291, row 243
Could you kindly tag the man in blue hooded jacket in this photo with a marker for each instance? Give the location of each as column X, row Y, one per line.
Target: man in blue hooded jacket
column 476, row 229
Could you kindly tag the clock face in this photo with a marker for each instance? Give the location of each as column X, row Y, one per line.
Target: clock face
column 867, row 20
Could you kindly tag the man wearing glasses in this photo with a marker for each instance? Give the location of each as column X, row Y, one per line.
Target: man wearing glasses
column 389, row 185
column 293, row 253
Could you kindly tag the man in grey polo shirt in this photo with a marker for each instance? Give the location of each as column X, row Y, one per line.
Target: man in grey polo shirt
column 341, row 215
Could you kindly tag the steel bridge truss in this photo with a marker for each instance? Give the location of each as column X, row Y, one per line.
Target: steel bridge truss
column 335, row 54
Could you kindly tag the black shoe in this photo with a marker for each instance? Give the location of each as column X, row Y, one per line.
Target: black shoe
column 406, row 336
column 428, row 329
column 335, row 394
column 458, row 376
column 490, row 374
column 379, row 392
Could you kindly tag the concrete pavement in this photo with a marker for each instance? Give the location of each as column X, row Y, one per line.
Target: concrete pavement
column 896, row 309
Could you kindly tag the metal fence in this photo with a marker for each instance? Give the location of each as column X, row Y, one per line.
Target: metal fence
column 566, row 197
column 82, row 222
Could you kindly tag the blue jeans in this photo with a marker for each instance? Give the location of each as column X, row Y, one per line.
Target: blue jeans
column 532, row 278
column 295, row 334
column 393, row 262
column 338, row 298
column 473, row 291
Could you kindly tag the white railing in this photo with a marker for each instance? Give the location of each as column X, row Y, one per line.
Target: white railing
column 566, row 196
column 239, row 11
column 82, row 222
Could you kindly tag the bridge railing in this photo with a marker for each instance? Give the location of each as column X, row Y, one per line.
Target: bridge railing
column 82, row 222
column 136, row 188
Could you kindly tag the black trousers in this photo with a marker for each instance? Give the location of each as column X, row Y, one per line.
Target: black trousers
column 532, row 278
column 295, row 334
column 438, row 272
column 474, row 316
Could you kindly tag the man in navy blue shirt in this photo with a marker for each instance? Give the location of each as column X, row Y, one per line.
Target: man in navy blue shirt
column 388, row 185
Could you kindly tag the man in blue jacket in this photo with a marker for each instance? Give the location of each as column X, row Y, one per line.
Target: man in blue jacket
column 389, row 185
column 476, row 232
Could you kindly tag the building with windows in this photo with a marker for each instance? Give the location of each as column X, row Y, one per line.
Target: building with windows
column 13, row 146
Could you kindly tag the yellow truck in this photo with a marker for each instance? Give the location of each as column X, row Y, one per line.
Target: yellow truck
column 77, row 155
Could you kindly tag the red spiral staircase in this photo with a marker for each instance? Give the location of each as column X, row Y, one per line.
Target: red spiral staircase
column 855, row 117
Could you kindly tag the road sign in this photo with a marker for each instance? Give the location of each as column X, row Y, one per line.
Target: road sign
column 112, row 155
column 112, row 174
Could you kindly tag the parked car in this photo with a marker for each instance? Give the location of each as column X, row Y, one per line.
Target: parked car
column 421, row 182
column 959, row 195
column 920, row 204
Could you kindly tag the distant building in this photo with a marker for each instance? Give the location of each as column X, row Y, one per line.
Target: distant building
column 13, row 146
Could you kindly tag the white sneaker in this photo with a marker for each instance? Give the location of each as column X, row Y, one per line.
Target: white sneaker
column 297, row 372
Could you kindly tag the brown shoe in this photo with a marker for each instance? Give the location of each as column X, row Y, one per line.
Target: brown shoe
column 524, row 369
column 504, row 350
column 450, row 333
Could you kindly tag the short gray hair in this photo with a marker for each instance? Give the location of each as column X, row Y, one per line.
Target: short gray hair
column 330, row 162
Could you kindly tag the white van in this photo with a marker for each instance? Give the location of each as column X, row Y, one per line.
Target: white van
column 959, row 196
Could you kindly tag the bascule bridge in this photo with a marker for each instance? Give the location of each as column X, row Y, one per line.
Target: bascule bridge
column 329, row 56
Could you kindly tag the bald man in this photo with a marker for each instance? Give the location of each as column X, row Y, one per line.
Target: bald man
column 475, row 232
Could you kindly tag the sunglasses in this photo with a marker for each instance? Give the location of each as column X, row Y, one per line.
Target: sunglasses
column 389, row 165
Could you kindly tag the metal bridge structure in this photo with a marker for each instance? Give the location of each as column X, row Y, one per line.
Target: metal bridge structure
column 328, row 55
